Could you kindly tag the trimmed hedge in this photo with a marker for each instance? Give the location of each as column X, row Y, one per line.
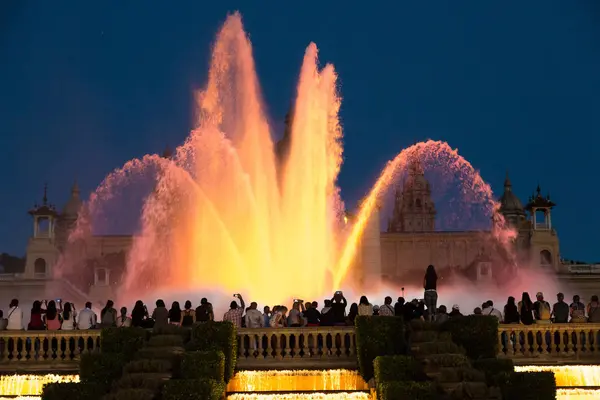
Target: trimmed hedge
column 193, row 389
column 408, row 390
column 150, row 366
column 203, row 365
column 493, row 368
column 124, row 341
column 377, row 336
column 166, row 341
column 530, row 386
column 429, row 336
column 131, row 394
column 185, row 333
column 448, row 360
column 438, row 347
column 71, row 390
column 101, row 369
column 220, row 336
column 461, row 374
column 396, row 368
column 478, row 334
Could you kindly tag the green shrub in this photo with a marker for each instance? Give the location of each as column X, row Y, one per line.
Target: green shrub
column 72, row 391
column 493, row 367
column 185, row 333
column 470, row 390
column 427, row 348
column 147, row 366
column 430, row 336
column 159, row 353
column 122, row 340
column 461, row 374
column 530, row 386
column 420, row 325
column 166, row 341
column 221, row 336
column 150, row 381
column 203, row 365
column 131, row 394
column 396, row 368
column 193, row 389
column 101, row 368
column 448, row 360
column 377, row 336
column 407, row 390
column 476, row 333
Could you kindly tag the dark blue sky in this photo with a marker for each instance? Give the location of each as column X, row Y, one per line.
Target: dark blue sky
column 85, row 86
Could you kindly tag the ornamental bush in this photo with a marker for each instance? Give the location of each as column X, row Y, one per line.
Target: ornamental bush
column 216, row 336
column 493, row 368
column 378, row 336
column 529, row 386
column 478, row 334
column 203, row 365
column 72, row 391
column 397, row 368
column 124, row 341
column 395, row 390
column 150, row 366
column 101, row 369
column 193, row 389
column 131, row 394
column 166, row 341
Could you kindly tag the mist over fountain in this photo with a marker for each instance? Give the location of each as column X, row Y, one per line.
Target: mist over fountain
column 228, row 215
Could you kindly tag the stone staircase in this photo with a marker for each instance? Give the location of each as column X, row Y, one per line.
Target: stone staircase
column 445, row 362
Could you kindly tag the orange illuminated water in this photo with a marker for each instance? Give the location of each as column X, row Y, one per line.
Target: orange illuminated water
column 569, row 375
column 228, row 215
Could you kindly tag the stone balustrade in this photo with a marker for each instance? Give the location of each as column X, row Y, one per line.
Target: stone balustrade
column 550, row 343
column 324, row 347
column 45, row 350
column 292, row 348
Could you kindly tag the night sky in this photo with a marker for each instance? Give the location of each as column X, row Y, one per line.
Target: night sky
column 514, row 85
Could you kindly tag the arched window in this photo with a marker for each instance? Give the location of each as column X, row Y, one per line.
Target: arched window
column 545, row 258
column 418, row 202
column 39, row 266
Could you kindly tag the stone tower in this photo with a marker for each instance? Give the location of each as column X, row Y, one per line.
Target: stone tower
column 414, row 210
column 543, row 240
column 510, row 206
column 41, row 249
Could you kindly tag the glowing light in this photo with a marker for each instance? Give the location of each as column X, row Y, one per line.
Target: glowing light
column 296, row 380
column 569, row 375
column 30, row 385
column 301, row 396
column 577, row 394
column 228, row 213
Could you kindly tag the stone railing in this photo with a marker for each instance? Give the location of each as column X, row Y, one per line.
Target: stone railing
column 550, row 343
column 308, row 347
column 45, row 350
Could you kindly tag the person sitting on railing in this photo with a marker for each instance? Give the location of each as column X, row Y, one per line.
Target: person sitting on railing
column 87, row 318
column 593, row 310
column 490, row 310
column 511, row 312
column 108, row 315
column 338, row 309
column 254, row 318
column 364, row 307
column 577, row 310
column 53, row 318
column 139, row 314
column 441, row 315
column 375, row 309
column 541, row 309
column 386, row 309
column 234, row 315
column 477, row 311
column 352, row 314
column 296, row 315
column 204, row 312
column 160, row 315
column 175, row 313
column 278, row 319
column 36, row 322
column 69, row 316
column 526, row 309
column 560, row 310
column 312, row 314
column 455, row 312
column 188, row 316
column 123, row 321
column 399, row 307
column 267, row 316
column 15, row 317
column 3, row 321
column 326, row 315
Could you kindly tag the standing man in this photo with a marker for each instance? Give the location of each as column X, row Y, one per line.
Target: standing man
column 234, row 315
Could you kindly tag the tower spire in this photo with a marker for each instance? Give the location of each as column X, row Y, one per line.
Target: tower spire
column 45, row 198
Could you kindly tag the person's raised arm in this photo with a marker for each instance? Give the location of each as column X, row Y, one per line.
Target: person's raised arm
column 242, row 303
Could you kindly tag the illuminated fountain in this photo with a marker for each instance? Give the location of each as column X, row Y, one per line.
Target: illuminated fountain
column 569, row 375
column 227, row 212
column 30, row 385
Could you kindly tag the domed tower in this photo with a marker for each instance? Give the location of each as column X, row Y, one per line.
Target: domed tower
column 544, row 244
column 414, row 210
column 510, row 205
column 68, row 217
column 41, row 250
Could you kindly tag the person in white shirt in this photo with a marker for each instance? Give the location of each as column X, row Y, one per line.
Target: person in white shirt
column 387, row 310
column 87, row 318
column 14, row 317
column 3, row 321
column 254, row 318
column 69, row 316
column 490, row 310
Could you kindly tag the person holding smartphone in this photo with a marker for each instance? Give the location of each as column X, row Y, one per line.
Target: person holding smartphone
column 338, row 309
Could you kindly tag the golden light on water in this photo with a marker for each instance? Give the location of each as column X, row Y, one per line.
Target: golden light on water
column 301, row 396
column 577, row 394
column 569, row 375
column 30, row 385
column 297, row 380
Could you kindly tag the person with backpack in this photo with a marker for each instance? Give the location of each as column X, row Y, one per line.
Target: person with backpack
column 542, row 310
column 188, row 316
